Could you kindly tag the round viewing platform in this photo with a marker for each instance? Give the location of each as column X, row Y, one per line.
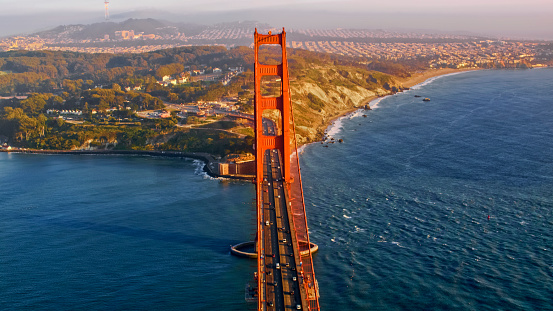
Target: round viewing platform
column 247, row 249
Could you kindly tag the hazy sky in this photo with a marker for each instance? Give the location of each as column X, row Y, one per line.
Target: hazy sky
column 526, row 18
column 487, row 6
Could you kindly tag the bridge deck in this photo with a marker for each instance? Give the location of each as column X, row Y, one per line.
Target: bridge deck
column 280, row 257
column 286, row 279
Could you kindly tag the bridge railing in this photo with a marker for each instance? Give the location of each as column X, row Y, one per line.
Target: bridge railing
column 297, row 204
column 283, row 142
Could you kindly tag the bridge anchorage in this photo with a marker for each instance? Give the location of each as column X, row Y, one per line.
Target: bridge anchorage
column 285, row 278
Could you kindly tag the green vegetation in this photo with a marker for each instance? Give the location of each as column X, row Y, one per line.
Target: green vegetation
column 219, row 143
column 101, row 86
column 322, row 93
column 109, row 89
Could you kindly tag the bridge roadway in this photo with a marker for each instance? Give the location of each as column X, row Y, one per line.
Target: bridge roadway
column 282, row 283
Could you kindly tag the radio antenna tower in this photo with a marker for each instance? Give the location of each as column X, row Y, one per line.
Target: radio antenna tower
column 106, row 2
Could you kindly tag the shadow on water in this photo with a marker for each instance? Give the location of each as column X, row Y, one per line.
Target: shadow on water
column 217, row 245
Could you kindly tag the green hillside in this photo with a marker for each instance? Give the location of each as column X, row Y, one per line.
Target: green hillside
column 323, row 87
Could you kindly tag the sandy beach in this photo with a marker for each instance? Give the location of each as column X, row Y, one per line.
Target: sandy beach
column 420, row 77
column 416, row 78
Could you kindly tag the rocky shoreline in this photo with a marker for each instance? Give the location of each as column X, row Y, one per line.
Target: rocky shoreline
column 320, row 129
column 406, row 84
column 317, row 103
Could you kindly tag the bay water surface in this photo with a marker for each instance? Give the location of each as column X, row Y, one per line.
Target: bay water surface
column 400, row 209
column 439, row 205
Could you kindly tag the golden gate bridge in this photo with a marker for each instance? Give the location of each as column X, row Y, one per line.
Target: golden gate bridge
column 285, row 277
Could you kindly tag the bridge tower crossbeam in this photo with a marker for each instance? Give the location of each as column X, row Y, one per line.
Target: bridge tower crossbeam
column 280, row 103
column 292, row 203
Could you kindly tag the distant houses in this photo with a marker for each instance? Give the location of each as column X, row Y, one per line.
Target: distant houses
column 4, row 143
column 130, row 35
column 136, row 88
column 180, row 79
column 65, row 112
column 159, row 114
column 20, row 97
column 195, row 75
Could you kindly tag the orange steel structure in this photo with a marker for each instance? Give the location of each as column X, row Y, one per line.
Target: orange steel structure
column 284, row 141
column 280, row 103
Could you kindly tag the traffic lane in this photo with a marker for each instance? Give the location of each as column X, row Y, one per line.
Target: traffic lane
column 291, row 289
column 282, row 284
column 264, row 292
column 278, row 284
column 287, row 260
column 277, row 298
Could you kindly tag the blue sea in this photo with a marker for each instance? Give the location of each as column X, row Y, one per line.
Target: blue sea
column 438, row 205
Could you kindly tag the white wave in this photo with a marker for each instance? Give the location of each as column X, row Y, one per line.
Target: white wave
column 383, row 240
column 337, row 125
column 396, row 243
column 301, row 149
column 199, row 170
column 198, row 166
column 430, row 80
column 334, row 128
column 356, row 114
column 426, row 82
column 374, row 103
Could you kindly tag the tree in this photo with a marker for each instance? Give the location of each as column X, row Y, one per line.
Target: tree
column 34, row 104
column 42, row 124
column 103, row 105
column 173, row 97
column 169, row 70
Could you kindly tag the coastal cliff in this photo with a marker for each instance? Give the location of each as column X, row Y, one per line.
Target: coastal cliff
column 323, row 87
column 323, row 93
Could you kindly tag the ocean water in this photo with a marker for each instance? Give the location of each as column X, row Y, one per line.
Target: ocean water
column 399, row 211
column 120, row 233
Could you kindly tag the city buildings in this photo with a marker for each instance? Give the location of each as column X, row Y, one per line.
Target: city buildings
column 452, row 51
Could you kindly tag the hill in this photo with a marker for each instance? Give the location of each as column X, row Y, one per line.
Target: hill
column 148, row 26
column 322, row 93
column 116, row 86
column 100, row 30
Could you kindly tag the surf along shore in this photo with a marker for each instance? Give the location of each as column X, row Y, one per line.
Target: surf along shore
column 210, row 161
column 415, row 79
